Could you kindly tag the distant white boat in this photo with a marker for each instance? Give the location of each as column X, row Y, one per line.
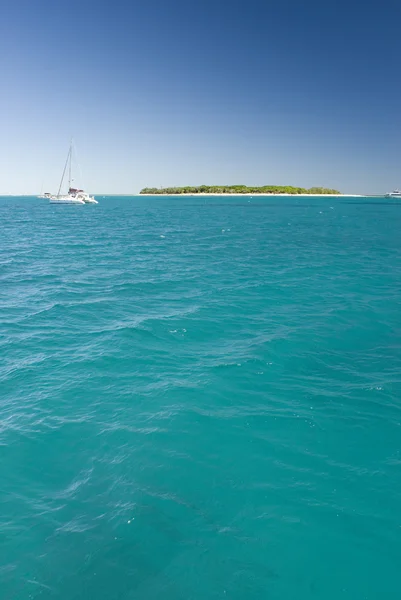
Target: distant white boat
column 394, row 194
column 74, row 195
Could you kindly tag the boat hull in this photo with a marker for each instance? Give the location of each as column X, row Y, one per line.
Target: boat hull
column 65, row 201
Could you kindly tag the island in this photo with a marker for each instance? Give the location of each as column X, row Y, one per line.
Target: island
column 266, row 190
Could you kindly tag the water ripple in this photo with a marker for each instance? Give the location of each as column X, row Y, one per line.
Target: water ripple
column 200, row 400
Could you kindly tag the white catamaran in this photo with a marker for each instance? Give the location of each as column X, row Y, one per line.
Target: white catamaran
column 74, row 195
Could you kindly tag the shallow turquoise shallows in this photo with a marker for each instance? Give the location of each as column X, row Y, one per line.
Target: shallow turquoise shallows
column 200, row 398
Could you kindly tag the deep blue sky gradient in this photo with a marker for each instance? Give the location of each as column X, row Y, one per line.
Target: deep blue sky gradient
column 174, row 92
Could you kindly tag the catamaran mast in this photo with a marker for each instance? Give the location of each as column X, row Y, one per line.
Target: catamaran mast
column 65, row 167
column 67, row 162
column 69, row 174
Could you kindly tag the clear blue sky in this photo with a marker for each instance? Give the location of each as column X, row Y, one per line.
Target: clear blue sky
column 180, row 92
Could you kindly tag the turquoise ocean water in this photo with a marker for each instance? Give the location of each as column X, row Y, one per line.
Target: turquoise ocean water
column 200, row 398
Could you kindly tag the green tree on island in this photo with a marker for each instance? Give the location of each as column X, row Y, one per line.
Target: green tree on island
column 238, row 189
